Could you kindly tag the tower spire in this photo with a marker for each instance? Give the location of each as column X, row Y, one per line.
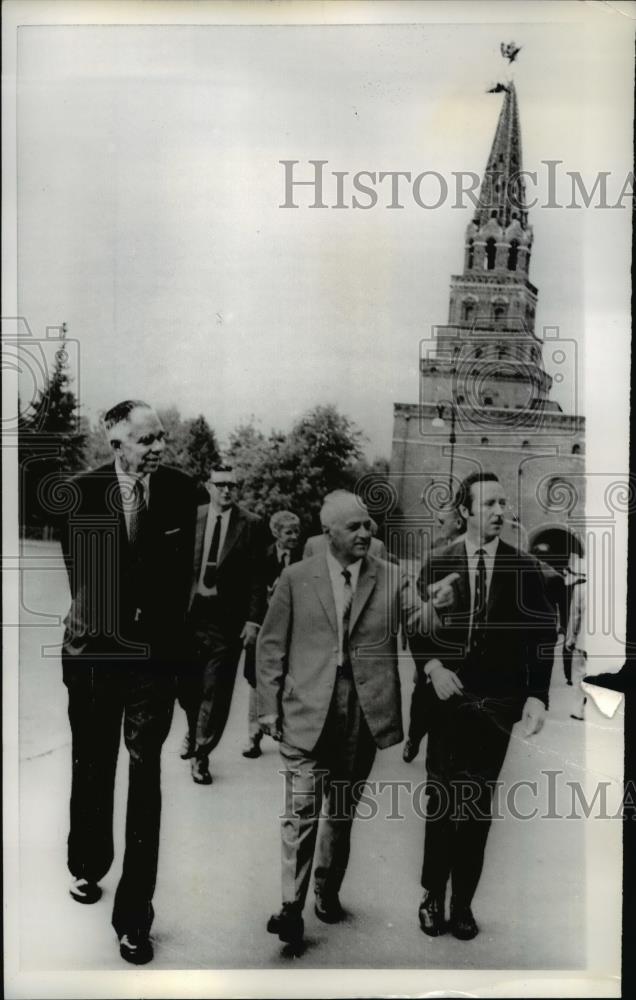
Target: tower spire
column 502, row 196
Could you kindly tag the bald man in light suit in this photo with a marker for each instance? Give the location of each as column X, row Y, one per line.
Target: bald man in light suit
column 328, row 688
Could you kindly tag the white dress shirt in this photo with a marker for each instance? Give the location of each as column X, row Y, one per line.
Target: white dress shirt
column 338, row 589
column 127, row 488
column 213, row 513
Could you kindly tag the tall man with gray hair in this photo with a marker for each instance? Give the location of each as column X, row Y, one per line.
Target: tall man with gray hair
column 128, row 550
column 328, row 688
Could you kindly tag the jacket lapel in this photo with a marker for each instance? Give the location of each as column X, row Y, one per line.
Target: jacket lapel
column 502, row 577
column 322, row 583
column 199, row 537
column 462, row 584
column 364, row 589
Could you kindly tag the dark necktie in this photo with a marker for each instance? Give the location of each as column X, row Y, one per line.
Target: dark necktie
column 478, row 618
column 346, row 615
column 283, row 561
column 209, row 577
column 138, row 515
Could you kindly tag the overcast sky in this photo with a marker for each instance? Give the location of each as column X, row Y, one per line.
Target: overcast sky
column 150, row 184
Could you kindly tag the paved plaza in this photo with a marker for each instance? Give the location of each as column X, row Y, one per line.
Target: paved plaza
column 219, row 869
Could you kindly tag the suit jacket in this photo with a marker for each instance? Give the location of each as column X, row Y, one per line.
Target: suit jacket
column 297, row 651
column 318, row 544
column 272, row 565
column 519, row 637
column 110, row 584
column 241, row 566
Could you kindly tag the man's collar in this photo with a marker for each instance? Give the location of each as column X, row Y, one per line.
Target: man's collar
column 130, row 477
column 490, row 548
column 336, row 567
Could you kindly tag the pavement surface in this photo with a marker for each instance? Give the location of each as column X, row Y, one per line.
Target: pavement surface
column 219, row 868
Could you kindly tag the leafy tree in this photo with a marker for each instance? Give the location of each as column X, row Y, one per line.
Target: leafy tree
column 201, row 449
column 98, row 450
column 322, row 452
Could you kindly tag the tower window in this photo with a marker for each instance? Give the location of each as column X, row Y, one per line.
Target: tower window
column 576, row 449
column 471, row 253
column 498, row 311
column 484, row 440
column 487, row 400
column 490, row 254
column 513, row 254
column 478, row 352
column 525, row 444
column 468, row 311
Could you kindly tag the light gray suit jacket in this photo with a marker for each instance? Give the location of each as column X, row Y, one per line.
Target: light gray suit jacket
column 297, row 650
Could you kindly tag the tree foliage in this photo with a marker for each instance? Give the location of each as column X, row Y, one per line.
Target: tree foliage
column 52, row 441
column 321, row 453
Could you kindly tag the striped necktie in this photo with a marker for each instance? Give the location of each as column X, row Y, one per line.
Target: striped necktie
column 478, row 617
column 138, row 515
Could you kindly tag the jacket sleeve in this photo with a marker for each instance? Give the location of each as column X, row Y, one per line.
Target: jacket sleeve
column 540, row 633
column 424, row 625
column 258, row 576
column 418, row 616
column 272, row 649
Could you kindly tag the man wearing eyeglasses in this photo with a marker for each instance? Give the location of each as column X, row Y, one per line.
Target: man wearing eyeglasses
column 227, row 605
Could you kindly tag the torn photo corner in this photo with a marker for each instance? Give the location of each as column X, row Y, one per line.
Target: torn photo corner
column 256, row 254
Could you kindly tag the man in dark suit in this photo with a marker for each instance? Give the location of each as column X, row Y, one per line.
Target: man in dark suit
column 227, row 604
column 328, row 688
column 128, row 548
column 284, row 551
column 488, row 665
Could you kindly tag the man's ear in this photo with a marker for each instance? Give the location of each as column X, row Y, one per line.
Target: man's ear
column 464, row 512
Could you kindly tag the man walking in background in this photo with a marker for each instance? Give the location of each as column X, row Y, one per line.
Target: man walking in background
column 128, row 550
column 227, row 604
column 488, row 664
column 283, row 552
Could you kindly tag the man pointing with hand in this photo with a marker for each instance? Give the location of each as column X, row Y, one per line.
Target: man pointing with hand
column 488, row 664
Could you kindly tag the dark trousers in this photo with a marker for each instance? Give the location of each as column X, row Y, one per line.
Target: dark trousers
column 100, row 695
column 334, row 772
column 467, row 744
column 206, row 682
column 418, row 720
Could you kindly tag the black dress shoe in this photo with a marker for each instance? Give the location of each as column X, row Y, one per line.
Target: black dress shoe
column 410, row 752
column 187, row 747
column 288, row 924
column 328, row 909
column 84, row 891
column 200, row 771
column 252, row 750
column 431, row 914
column 462, row 922
column 136, row 949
